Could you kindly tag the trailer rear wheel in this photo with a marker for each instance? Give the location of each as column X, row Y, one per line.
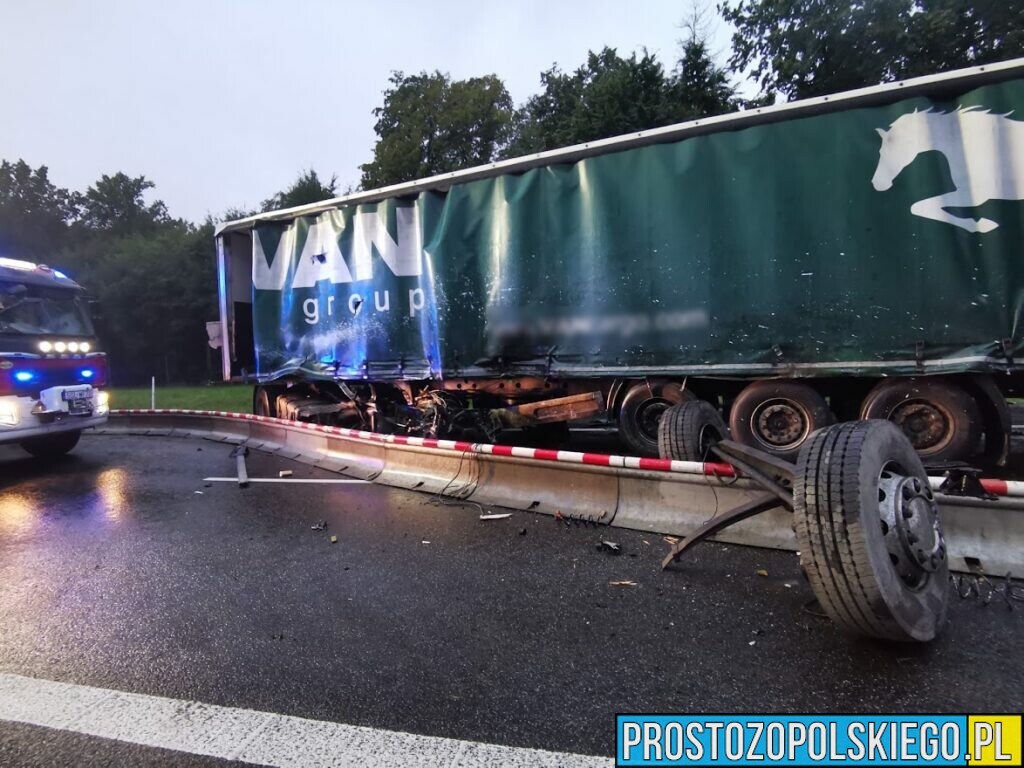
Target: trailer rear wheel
column 52, row 446
column 642, row 409
column 778, row 416
column 688, row 430
column 868, row 529
column 941, row 420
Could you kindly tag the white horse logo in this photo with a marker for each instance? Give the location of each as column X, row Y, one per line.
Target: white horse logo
column 985, row 154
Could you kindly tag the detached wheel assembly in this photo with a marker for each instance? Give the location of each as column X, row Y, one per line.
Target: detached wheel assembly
column 687, row 431
column 941, row 420
column 641, row 411
column 868, row 530
column 778, row 416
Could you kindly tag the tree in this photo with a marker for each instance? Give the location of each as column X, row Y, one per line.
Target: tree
column 804, row 48
column 307, row 188
column 699, row 87
column 34, row 214
column 431, row 124
column 607, row 96
column 610, row 95
column 115, row 204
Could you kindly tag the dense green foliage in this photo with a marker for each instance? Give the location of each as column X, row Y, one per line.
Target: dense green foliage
column 431, row 124
column 307, row 188
column 803, row 48
column 610, row 95
column 151, row 278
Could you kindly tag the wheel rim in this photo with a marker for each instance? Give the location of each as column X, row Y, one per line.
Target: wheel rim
column 649, row 415
column 910, row 526
column 928, row 426
column 780, row 423
column 709, row 435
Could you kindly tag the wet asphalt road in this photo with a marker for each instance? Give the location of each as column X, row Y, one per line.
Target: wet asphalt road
column 116, row 573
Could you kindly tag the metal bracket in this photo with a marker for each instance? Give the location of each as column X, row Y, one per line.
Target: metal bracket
column 965, row 481
column 770, row 472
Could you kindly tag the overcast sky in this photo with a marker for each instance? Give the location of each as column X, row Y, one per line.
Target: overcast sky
column 222, row 103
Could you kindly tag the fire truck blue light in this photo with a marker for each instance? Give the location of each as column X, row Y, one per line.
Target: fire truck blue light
column 87, row 373
column 24, row 376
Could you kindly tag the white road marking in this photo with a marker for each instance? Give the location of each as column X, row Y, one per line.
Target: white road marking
column 263, row 738
column 281, row 480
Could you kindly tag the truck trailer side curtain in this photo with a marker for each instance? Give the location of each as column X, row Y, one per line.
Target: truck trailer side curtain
column 872, row 241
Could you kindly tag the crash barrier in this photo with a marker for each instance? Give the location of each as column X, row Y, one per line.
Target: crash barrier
column 656, row 495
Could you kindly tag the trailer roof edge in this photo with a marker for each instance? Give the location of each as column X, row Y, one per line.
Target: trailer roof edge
column 973, row 76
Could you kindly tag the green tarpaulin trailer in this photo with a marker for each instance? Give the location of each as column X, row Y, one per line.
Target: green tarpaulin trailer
column 850, row 256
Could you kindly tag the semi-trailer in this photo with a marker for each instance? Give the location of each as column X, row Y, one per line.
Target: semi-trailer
column 855, row 256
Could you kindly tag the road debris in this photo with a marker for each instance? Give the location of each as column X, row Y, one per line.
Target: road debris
column 609, row 546
column 285, row 473
column 671, row 540
column 496, row 516
column 319, row 525
column 761, row 572
column 522, row 531
column 334, row 539
column 623, row 583
column 238, row 453
column 424, row 542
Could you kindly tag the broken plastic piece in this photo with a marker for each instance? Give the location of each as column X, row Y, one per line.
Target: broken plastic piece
column 499, row 516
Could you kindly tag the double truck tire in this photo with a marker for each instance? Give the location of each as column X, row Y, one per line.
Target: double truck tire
column 868, row 532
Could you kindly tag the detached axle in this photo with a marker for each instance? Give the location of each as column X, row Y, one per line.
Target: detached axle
column 866, row 520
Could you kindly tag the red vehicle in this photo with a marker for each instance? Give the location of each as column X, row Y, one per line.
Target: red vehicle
column 51, row 368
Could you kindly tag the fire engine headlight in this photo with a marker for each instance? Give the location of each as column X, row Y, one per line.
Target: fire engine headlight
column 60, row 346
column 102, row 402
column 9, row 411
column 73, row 346
column 45, row 346
column 85, row 346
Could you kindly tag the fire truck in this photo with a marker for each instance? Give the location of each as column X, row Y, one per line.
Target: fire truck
column 52, row 371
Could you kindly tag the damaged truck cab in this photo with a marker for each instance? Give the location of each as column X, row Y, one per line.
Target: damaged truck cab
column 52, row 372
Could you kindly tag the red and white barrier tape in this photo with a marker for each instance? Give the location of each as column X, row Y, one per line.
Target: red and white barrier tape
column 713, row 469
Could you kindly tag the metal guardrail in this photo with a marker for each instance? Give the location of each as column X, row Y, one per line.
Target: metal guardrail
column 668, row 497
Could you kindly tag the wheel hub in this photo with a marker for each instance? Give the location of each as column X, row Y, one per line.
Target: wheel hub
column 650, row 415
column 923, row 423
column 780, row 423
column 910, row 524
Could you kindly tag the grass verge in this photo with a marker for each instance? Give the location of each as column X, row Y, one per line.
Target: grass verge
column 215, row 397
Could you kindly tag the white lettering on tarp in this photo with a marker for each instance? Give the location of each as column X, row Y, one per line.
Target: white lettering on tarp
column 416, row 301
column 370, row 232
column 311, row 309
column 322, row 259
column 270, row 276
column 382, row 306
